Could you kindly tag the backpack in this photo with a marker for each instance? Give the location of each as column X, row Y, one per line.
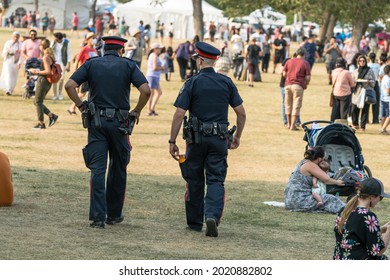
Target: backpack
column 55, row 73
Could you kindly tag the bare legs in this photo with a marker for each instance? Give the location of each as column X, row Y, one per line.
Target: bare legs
column 155, row 96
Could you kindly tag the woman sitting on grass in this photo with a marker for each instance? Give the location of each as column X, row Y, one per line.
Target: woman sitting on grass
column 298, row 193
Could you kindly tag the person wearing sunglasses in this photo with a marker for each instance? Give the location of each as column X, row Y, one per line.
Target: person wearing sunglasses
column 359, row 235
column 365, row 78
column 30, row 46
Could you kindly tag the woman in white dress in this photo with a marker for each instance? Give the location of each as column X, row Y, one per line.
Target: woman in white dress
column 11, row 63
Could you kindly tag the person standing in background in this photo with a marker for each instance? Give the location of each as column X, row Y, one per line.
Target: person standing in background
column 297, row 73
column 153, row 74
column 332, row 52
column 52, row 25
column 75, row 24
column 343, row 83
column 279, row 46
column 171, row 34
column 12, row 60
column 376, row 69
column 44, row 23
column 61, row 49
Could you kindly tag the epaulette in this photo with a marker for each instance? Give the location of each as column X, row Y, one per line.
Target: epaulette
column 92, row 58
column 128, row 58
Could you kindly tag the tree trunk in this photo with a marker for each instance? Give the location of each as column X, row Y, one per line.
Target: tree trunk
column 36, row 4
column 92, row 11
column 324, row 26
column 331, row 25
column 198, row 18
column 5, row 4
column 359, row 26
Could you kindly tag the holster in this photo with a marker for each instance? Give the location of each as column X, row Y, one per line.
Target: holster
column 195, row 128
column 127, row 121
column 230, row 134
column 95, row 115
column 86, row 115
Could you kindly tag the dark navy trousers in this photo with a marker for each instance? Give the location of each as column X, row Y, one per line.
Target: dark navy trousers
column 107, row 145
column 206, row 163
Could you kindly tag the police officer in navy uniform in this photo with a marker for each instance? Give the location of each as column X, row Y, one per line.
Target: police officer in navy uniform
column 109, row 77
column 207, row 96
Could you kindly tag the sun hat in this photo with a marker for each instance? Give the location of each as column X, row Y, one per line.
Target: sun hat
column 373, row 186
column 156, row 46
column 135, row 31
column 89, row 35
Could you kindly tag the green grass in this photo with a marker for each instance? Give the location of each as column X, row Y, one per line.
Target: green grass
column 49, row 217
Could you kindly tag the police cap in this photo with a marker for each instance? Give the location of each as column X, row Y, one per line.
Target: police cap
column 114, row 40
column 205, row 50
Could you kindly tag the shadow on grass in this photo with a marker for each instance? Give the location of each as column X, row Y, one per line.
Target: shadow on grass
column 49, row 220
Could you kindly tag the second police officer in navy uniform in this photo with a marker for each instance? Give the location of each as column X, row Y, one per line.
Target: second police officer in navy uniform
column 207, row 97
column 109, row 78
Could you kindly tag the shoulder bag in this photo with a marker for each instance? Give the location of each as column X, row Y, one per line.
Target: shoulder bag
column 331, row 93
column 370, row 97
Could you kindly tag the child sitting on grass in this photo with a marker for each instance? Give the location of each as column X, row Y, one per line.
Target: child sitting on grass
column 319, row 187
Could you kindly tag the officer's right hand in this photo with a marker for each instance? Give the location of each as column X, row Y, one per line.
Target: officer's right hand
column 136, row 114
column 235, row 143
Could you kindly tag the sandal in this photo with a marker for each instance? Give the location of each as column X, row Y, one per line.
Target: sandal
column 71, row 112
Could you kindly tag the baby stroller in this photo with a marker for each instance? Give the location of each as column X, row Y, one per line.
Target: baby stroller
column 342, row 150
column 32, row 63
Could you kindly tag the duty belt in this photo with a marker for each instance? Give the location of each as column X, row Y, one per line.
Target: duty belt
column 111, row 113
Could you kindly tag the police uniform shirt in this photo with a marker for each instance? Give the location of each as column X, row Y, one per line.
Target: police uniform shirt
column 208, row 95
column 109, row 78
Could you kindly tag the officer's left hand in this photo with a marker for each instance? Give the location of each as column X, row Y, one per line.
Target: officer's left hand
column 174, row 151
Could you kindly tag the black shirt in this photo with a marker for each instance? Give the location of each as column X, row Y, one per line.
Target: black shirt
column 208, row 95
column 109, row 78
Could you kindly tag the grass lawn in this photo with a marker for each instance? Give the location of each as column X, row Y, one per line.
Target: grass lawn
column 49, row 217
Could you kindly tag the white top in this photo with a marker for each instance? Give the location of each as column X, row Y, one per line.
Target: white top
column 384, row 86
column 375, row 68
column 236, row 43
column 57, row 52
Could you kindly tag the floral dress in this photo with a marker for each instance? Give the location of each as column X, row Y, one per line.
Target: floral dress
column 298, row 195
column 361, row 238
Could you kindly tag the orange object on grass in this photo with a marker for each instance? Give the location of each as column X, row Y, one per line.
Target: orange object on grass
column 6, row 187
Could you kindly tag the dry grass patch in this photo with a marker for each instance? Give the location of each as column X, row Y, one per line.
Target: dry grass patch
column 49, row 219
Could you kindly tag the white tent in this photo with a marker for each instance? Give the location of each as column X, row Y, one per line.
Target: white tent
column 177, row 11
column 62, row 10
column 267, row 17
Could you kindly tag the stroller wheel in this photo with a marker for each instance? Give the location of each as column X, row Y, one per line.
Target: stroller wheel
column 367, row 171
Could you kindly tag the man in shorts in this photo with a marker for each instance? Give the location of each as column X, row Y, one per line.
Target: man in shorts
column 297, row 73
column 332, row 52
column 279, row 46
column 253, row 55
column 75, row 24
